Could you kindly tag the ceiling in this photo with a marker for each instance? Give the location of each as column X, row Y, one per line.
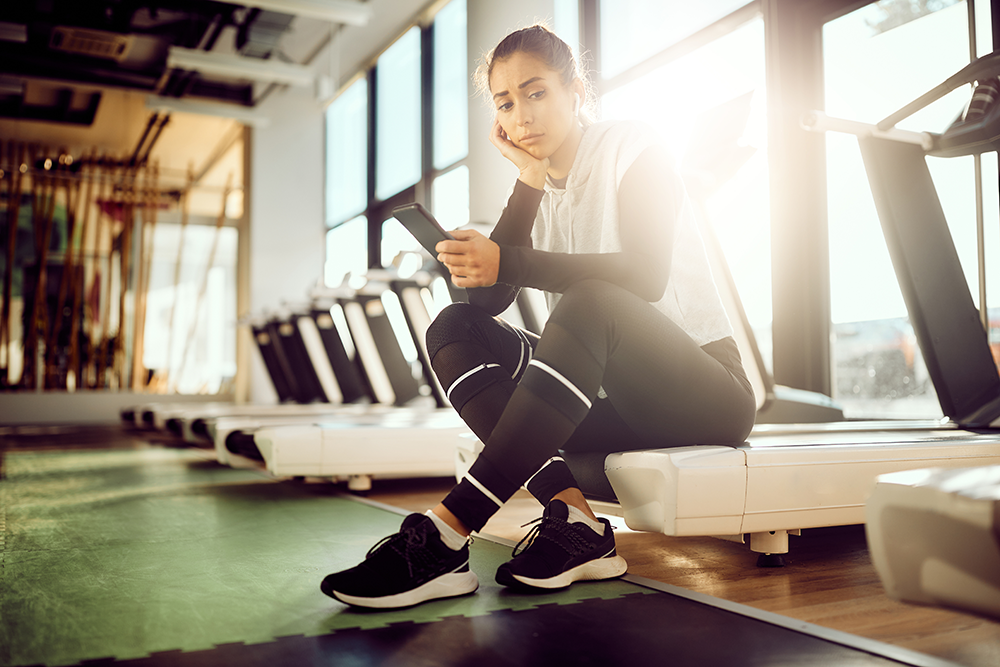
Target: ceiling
column 58, row 56
column 168, row 81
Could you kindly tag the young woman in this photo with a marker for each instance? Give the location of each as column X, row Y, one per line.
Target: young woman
column 637, row 351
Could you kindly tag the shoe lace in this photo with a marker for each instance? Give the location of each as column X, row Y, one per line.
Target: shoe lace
column 411, row 545
column 574, row 544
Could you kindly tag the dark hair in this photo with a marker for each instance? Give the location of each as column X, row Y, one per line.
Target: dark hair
column 538, row 41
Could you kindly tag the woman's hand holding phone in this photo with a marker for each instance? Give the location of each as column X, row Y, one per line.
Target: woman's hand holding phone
column 532, row 170
column 472, row 259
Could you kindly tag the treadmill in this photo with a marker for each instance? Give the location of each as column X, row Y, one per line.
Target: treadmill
column 403, row 427
column 300, row 370
column 792, row 476
column 313, row 365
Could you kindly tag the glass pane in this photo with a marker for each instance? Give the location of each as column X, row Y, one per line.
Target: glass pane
column 451, row 85
column 450, row 194
column 346, row 251
column 633, row 30
column 397, row 140
column 675, row 99
column 347, row 154
column 192, row 339
column 876, row 61
column 567, row 22
column 398, row 244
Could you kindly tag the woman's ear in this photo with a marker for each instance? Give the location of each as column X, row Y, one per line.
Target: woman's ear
column 576, row 104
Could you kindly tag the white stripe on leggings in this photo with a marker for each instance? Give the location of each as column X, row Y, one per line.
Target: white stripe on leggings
column 486, row 492
column 481, row 367
column 557, row 375
column 525, row 347
column 544, row 466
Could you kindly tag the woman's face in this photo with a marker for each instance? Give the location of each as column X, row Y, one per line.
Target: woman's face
column 534, row 107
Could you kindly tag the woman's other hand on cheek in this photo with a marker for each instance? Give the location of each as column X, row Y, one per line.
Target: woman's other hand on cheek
column 530, row 169
column 472, row 259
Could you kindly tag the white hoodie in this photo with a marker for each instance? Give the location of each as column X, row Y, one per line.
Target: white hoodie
column 583, row 218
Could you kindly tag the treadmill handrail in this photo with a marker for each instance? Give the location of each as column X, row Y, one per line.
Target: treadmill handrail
column 971, row 72
column 817, row 121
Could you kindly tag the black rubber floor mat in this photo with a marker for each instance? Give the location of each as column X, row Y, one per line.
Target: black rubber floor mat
column 637, row 629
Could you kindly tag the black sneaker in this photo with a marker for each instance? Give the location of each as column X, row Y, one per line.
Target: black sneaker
column 405, row 569
column 557, row 553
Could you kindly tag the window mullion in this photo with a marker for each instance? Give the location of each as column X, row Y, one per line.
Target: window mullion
column 427, row 117
column 374, row 226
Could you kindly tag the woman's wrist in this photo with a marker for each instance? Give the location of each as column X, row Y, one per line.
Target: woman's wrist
column 534, row 177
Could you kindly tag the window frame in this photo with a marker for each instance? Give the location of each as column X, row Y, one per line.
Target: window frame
column 801, row 308
column 377, row 209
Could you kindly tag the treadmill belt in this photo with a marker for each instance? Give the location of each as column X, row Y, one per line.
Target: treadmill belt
column 152, row 556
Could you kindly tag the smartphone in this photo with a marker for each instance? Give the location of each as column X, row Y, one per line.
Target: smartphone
column 418, row 221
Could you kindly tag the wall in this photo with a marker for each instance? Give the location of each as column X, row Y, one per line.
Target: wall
column 287, row 233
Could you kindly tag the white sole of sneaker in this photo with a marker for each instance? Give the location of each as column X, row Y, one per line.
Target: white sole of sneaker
column 608, row 567
column 446, row 586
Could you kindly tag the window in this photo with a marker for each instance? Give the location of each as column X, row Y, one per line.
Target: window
column 677, row 99
column 451, row 76
column 566, row 23
column 347, row 154
column 396, row 240
column 404, row 168
column 190, row 326
column 450, row 194
column 633, row 30
column 398, row 117
column 345, row 251
column 877, row 366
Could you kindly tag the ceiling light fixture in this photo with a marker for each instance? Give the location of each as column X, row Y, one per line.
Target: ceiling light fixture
column 240, row 67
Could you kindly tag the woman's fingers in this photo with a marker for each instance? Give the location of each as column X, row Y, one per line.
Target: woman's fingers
column 472, row 259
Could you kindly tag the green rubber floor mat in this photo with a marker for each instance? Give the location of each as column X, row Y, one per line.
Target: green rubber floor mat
column 123, row 553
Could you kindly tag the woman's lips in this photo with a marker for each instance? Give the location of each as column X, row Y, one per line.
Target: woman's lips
column 530, row 139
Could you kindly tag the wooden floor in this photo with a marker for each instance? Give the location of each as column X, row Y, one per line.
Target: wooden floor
column 829, row 579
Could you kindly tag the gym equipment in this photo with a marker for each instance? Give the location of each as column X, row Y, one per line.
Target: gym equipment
column 308, row 361
column 410, row 431
column 819, row 476
column 341, row 345
column 934, row 536
column 398, row 442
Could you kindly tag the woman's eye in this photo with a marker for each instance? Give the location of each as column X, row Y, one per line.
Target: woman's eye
column 505, row 107
column 537, row 95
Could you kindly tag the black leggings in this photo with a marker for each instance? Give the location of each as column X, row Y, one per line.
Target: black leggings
column 528, row 397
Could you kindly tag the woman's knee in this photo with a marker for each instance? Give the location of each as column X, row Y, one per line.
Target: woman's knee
column 451, row 325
